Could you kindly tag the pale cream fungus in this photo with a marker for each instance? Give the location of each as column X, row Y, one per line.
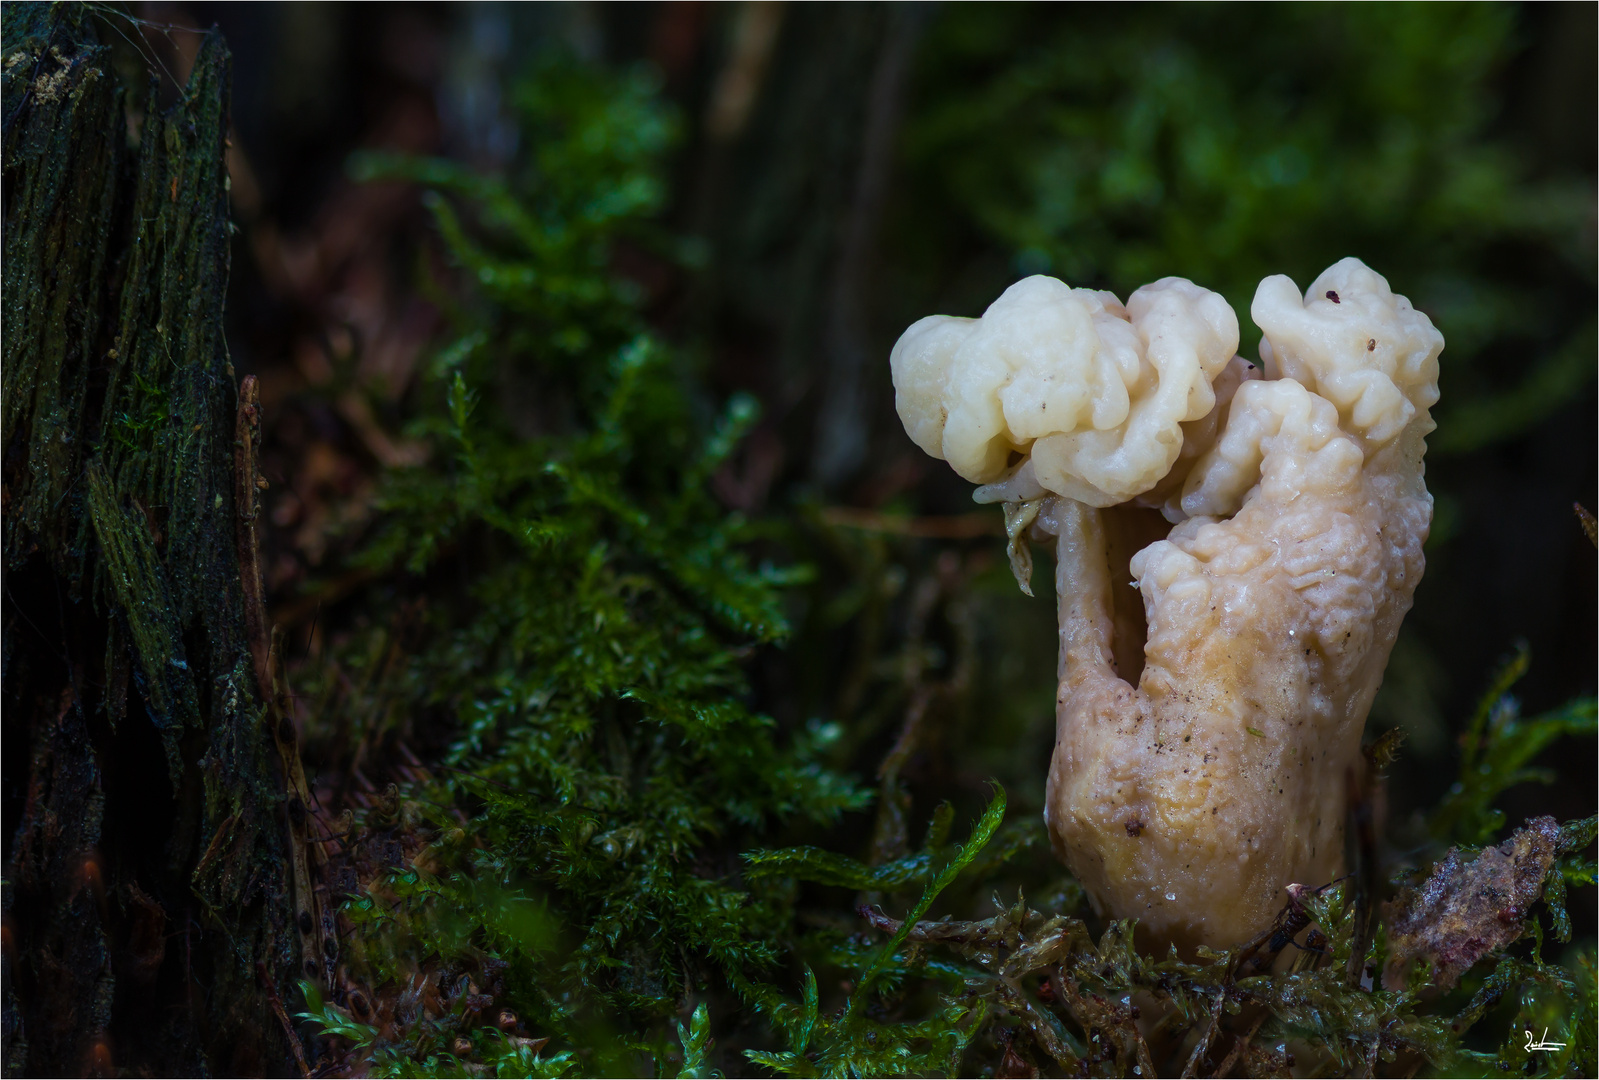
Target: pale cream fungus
column 1202, row 743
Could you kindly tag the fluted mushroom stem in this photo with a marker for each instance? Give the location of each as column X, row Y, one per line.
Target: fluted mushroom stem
column 1082, row 590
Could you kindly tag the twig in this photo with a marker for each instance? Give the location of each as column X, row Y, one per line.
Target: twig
column 888, row 838
column 1042, row 1025
column 1145, row 1061
column 293, row 612
column 246, row 481
column 950, row 527
column 283, row 1016
column 988, row 933
column 1359, row 795
column 223, row 830
column 1238, row 1048
column 313, row 922
column 1203, row 1045
column 266, row 650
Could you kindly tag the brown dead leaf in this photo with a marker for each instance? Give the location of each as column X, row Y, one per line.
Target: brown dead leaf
column 1465, row 911
column 1013, row 1066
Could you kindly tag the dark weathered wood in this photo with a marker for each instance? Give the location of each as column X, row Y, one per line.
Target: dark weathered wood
column 147, row 884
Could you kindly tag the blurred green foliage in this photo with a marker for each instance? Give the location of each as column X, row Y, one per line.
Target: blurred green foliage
column 1113, row 145
column 1497, row 748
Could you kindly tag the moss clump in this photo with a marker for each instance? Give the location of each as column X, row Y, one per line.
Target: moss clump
column 605, row 765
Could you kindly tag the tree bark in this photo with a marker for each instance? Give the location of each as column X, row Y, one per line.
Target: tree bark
column 148, row 914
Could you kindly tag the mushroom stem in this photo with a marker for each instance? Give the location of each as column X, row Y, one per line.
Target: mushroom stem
column 1082, row 590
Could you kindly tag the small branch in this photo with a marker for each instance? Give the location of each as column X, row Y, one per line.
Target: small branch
column 1198, row 1056
column 988, row 933
column 312, row 922
column 247, row 483
column 1371, row 1057
column 1042, row 1025
column 295, row 611
column 1359, row 796
column 1239, row 1044
column 888, row 833
column 283, row 1017
column 948, row 527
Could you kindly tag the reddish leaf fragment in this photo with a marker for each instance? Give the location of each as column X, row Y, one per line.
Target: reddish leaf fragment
column 1465, row 911
column 1013, row 1065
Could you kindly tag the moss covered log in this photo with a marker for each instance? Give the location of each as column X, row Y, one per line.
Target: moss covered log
column 147, row 895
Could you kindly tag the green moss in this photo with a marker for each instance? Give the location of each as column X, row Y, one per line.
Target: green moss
column 604, row 750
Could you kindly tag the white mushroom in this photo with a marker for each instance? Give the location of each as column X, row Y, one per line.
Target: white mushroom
column 1355, row 343
column 1204, row 728
column 1091, row 393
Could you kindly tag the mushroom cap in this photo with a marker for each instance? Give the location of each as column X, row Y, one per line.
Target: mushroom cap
column 1093, row 391
column 1354, row 342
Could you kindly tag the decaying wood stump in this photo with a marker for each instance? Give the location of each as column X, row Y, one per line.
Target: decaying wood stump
column 148, row 908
